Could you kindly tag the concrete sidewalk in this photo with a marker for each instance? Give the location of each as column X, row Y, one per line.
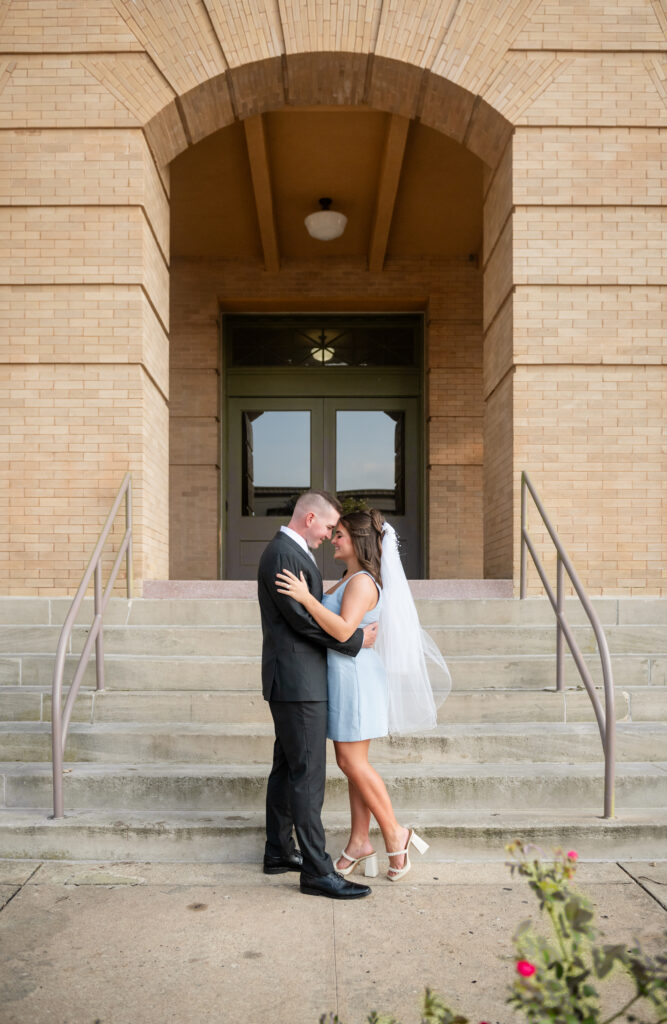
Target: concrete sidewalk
column 92, row 943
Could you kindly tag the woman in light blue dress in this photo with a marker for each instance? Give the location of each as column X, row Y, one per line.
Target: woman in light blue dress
column 357, row 686
column 358, row 695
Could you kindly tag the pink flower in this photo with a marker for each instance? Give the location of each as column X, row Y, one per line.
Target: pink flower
column 525, row 968
column 572, row 855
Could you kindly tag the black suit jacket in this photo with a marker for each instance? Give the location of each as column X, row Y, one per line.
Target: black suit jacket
column 294, row 648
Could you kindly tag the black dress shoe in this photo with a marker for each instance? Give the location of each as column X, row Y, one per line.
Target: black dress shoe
column 286, row 862
column 332, row 885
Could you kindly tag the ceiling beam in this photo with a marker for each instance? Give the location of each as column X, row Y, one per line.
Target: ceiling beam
column 255, row 137
column 390, row 174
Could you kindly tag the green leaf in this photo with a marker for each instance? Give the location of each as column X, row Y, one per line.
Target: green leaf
column 522, row 928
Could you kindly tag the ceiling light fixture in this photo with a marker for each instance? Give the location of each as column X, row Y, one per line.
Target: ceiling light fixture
column 322, row 351
column 325, row 224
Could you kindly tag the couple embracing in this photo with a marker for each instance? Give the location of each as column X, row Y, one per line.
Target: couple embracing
column 324, row 675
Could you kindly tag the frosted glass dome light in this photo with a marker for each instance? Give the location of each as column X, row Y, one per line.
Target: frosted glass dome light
column 325, row 224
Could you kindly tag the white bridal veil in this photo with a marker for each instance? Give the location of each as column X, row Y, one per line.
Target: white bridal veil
column 417, row 675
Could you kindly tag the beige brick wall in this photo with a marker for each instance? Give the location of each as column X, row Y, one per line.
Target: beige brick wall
column 593, row 438
column 83, row 324
column 61, row 167
column 76, row 26
column 597, row 245
column 602, row 89
column 84, row 312
column 588, row 340
column 498, row 273
column 596, row 25
column 89, row 244
column 500, row 481
column 587, row 166
column 69, row 434
column 590, row 324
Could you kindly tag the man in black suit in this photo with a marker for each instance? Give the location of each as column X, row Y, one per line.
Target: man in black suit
column 294, row 682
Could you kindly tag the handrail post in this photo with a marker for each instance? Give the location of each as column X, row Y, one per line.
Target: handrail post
column 128, row 529
column 609, row 772
column 57, row 756
column 522, row 590
column 99, row 640
column 560, row 645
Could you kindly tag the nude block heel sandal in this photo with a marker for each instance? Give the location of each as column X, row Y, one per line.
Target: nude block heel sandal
column 370, row 862
column 371, row 869
column 393, row 874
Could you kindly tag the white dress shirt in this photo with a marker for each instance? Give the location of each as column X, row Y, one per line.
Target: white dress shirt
column 299, row 540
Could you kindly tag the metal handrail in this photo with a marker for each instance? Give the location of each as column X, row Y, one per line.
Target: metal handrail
column 606, row 720
column 60, row 720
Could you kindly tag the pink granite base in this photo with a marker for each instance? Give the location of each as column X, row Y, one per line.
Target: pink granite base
column 443, row 589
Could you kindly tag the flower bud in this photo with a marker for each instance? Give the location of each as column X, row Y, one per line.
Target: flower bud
column 525, row 968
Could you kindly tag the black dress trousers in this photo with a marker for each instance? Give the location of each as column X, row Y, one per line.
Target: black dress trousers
column 295, row 789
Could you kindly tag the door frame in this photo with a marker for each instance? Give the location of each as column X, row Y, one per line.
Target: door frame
column 344, row 383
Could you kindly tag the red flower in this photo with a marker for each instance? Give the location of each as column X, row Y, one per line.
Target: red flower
column 572, row 855
column 525, row 968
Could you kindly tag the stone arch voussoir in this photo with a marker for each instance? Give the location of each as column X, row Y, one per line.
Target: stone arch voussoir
column 329, row 79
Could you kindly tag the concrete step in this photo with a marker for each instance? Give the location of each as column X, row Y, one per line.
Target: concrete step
column 243, row 641
column 243, row 610
column 198, row 672
column 453, row 641
column 33, row 703
column 198, row 744
column 490, row 787
column 171, row 759
column 219, row 837
column 636, row 704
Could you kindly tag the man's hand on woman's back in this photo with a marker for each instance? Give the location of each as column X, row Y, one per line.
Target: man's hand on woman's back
column 370, row 635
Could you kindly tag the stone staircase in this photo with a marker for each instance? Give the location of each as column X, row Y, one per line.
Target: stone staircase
column 170, row 761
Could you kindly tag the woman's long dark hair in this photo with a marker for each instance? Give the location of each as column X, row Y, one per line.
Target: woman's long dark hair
column 365, row 530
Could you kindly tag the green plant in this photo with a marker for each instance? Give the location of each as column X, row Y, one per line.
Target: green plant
column 353, row 504
column 555, row 983
column 557, row 975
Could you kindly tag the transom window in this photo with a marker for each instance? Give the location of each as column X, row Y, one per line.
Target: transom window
column 334, row 341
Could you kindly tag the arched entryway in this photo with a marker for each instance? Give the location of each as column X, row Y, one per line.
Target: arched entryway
column 414, row 196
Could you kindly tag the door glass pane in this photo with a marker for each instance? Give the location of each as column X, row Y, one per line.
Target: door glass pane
column 370, row 466
column 275, row 460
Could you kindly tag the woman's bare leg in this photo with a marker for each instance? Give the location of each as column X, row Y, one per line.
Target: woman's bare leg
column 359, row 844
column 367, row 790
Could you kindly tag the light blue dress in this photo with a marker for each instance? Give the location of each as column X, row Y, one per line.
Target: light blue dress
column 357, row 686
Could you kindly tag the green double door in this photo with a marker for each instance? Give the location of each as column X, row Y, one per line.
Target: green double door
column 366, row 449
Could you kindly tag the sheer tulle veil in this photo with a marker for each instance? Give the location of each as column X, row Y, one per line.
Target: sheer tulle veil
column 417, row 674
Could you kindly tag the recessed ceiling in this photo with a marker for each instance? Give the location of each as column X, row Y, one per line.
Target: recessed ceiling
column 435, row 209
column 314, row 154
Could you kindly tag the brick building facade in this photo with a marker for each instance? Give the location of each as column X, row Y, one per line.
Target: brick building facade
column 544, row 347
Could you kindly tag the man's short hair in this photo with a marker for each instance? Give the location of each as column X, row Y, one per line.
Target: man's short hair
column 318, row 502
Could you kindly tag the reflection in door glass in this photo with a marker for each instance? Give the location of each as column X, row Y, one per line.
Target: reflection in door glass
column 370, row 452
column 275, row 460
